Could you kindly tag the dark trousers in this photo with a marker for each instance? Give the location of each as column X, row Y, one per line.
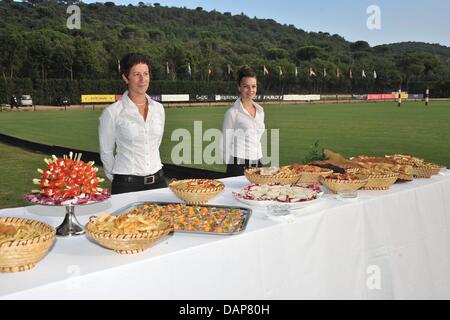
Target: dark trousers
column 238, row 166
column 129, row 183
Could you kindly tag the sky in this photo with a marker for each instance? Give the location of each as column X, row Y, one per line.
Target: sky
column 397, row 21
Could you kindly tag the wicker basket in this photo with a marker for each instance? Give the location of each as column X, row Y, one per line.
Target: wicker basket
column 128, row 243
column 22, row 255
column 424, row 172
column 313, row 177
column 377, row 181
column 405, row 177
column 255, row 177
column 195, row 195
column 336, row 185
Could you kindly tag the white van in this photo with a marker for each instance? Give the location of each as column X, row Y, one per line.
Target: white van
column 26, row 101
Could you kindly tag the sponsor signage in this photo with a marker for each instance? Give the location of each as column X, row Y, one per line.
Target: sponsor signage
column 155, row 97
column 415, row 96
column 174, row 97
column 202, row 98
column 268, row 97
column 220, row 97
column 381, row 96
column 359, row 96
column 328, row 97
column 301, row 97
column 404, row 95
column 98, row 98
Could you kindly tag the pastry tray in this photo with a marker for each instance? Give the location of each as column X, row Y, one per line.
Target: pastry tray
column 246, row 213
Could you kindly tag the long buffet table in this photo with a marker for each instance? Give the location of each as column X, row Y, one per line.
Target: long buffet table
column 391, row 244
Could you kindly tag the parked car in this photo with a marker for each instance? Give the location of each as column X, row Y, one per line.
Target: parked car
column 62, row 101
column 26, row 101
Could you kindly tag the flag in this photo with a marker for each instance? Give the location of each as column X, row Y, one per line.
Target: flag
column 374, row 74
column 311, row 72
column 296, row 71
column 209, row 70
column 324, row 72
column 364, row 74
column 266, row 72
column 338, row 73
column 167, row 68
column 281, row 72
column 351, row 74
column 189, row 70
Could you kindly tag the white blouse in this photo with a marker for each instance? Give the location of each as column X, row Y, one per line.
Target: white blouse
column 241, row 133
column 136, row 141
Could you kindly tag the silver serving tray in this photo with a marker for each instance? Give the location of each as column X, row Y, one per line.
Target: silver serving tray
column 247, row 212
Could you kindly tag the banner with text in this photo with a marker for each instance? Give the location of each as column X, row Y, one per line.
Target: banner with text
column 301, row 97
column 221, row 97
column 98, row 98
column 415, row 96
column 174, row 97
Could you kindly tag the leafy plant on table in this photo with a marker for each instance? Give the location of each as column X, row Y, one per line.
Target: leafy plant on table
column 315, row 153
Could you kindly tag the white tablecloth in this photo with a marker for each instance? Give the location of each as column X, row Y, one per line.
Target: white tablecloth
column 385, row 245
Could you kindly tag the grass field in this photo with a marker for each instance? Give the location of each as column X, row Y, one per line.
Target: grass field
column 350, row 129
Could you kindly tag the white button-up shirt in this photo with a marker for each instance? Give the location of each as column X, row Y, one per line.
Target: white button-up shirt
column 241, row 133
column 136, row 141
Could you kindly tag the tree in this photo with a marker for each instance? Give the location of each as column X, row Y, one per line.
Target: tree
column 40, row 50
column 12, row 53
column 90, row 59
column 309, row 53
column 64, row 56
column 359, row 46
column 411, row 66
column 276, row 53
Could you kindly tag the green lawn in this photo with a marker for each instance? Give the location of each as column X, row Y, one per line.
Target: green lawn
column 350, row 129
column 375, row 128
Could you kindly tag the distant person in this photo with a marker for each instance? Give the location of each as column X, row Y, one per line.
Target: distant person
column 14, row 102
column 427, row 97
column 243, row 127
column 134, row 127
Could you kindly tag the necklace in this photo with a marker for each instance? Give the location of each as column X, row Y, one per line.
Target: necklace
column 251, row 110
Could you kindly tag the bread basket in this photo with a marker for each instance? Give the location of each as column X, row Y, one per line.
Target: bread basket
column 427, row 170
column 310, row 173
column 253, row 175
column 128, row 243
column 192, row 192
column 336, row 185
column 22, row 255
column 376, row 181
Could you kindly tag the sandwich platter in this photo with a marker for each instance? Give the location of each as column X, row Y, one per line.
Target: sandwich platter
column 294, row 196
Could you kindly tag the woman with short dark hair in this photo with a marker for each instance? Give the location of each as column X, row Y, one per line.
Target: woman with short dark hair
column 243, row 126
column 133, row 127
